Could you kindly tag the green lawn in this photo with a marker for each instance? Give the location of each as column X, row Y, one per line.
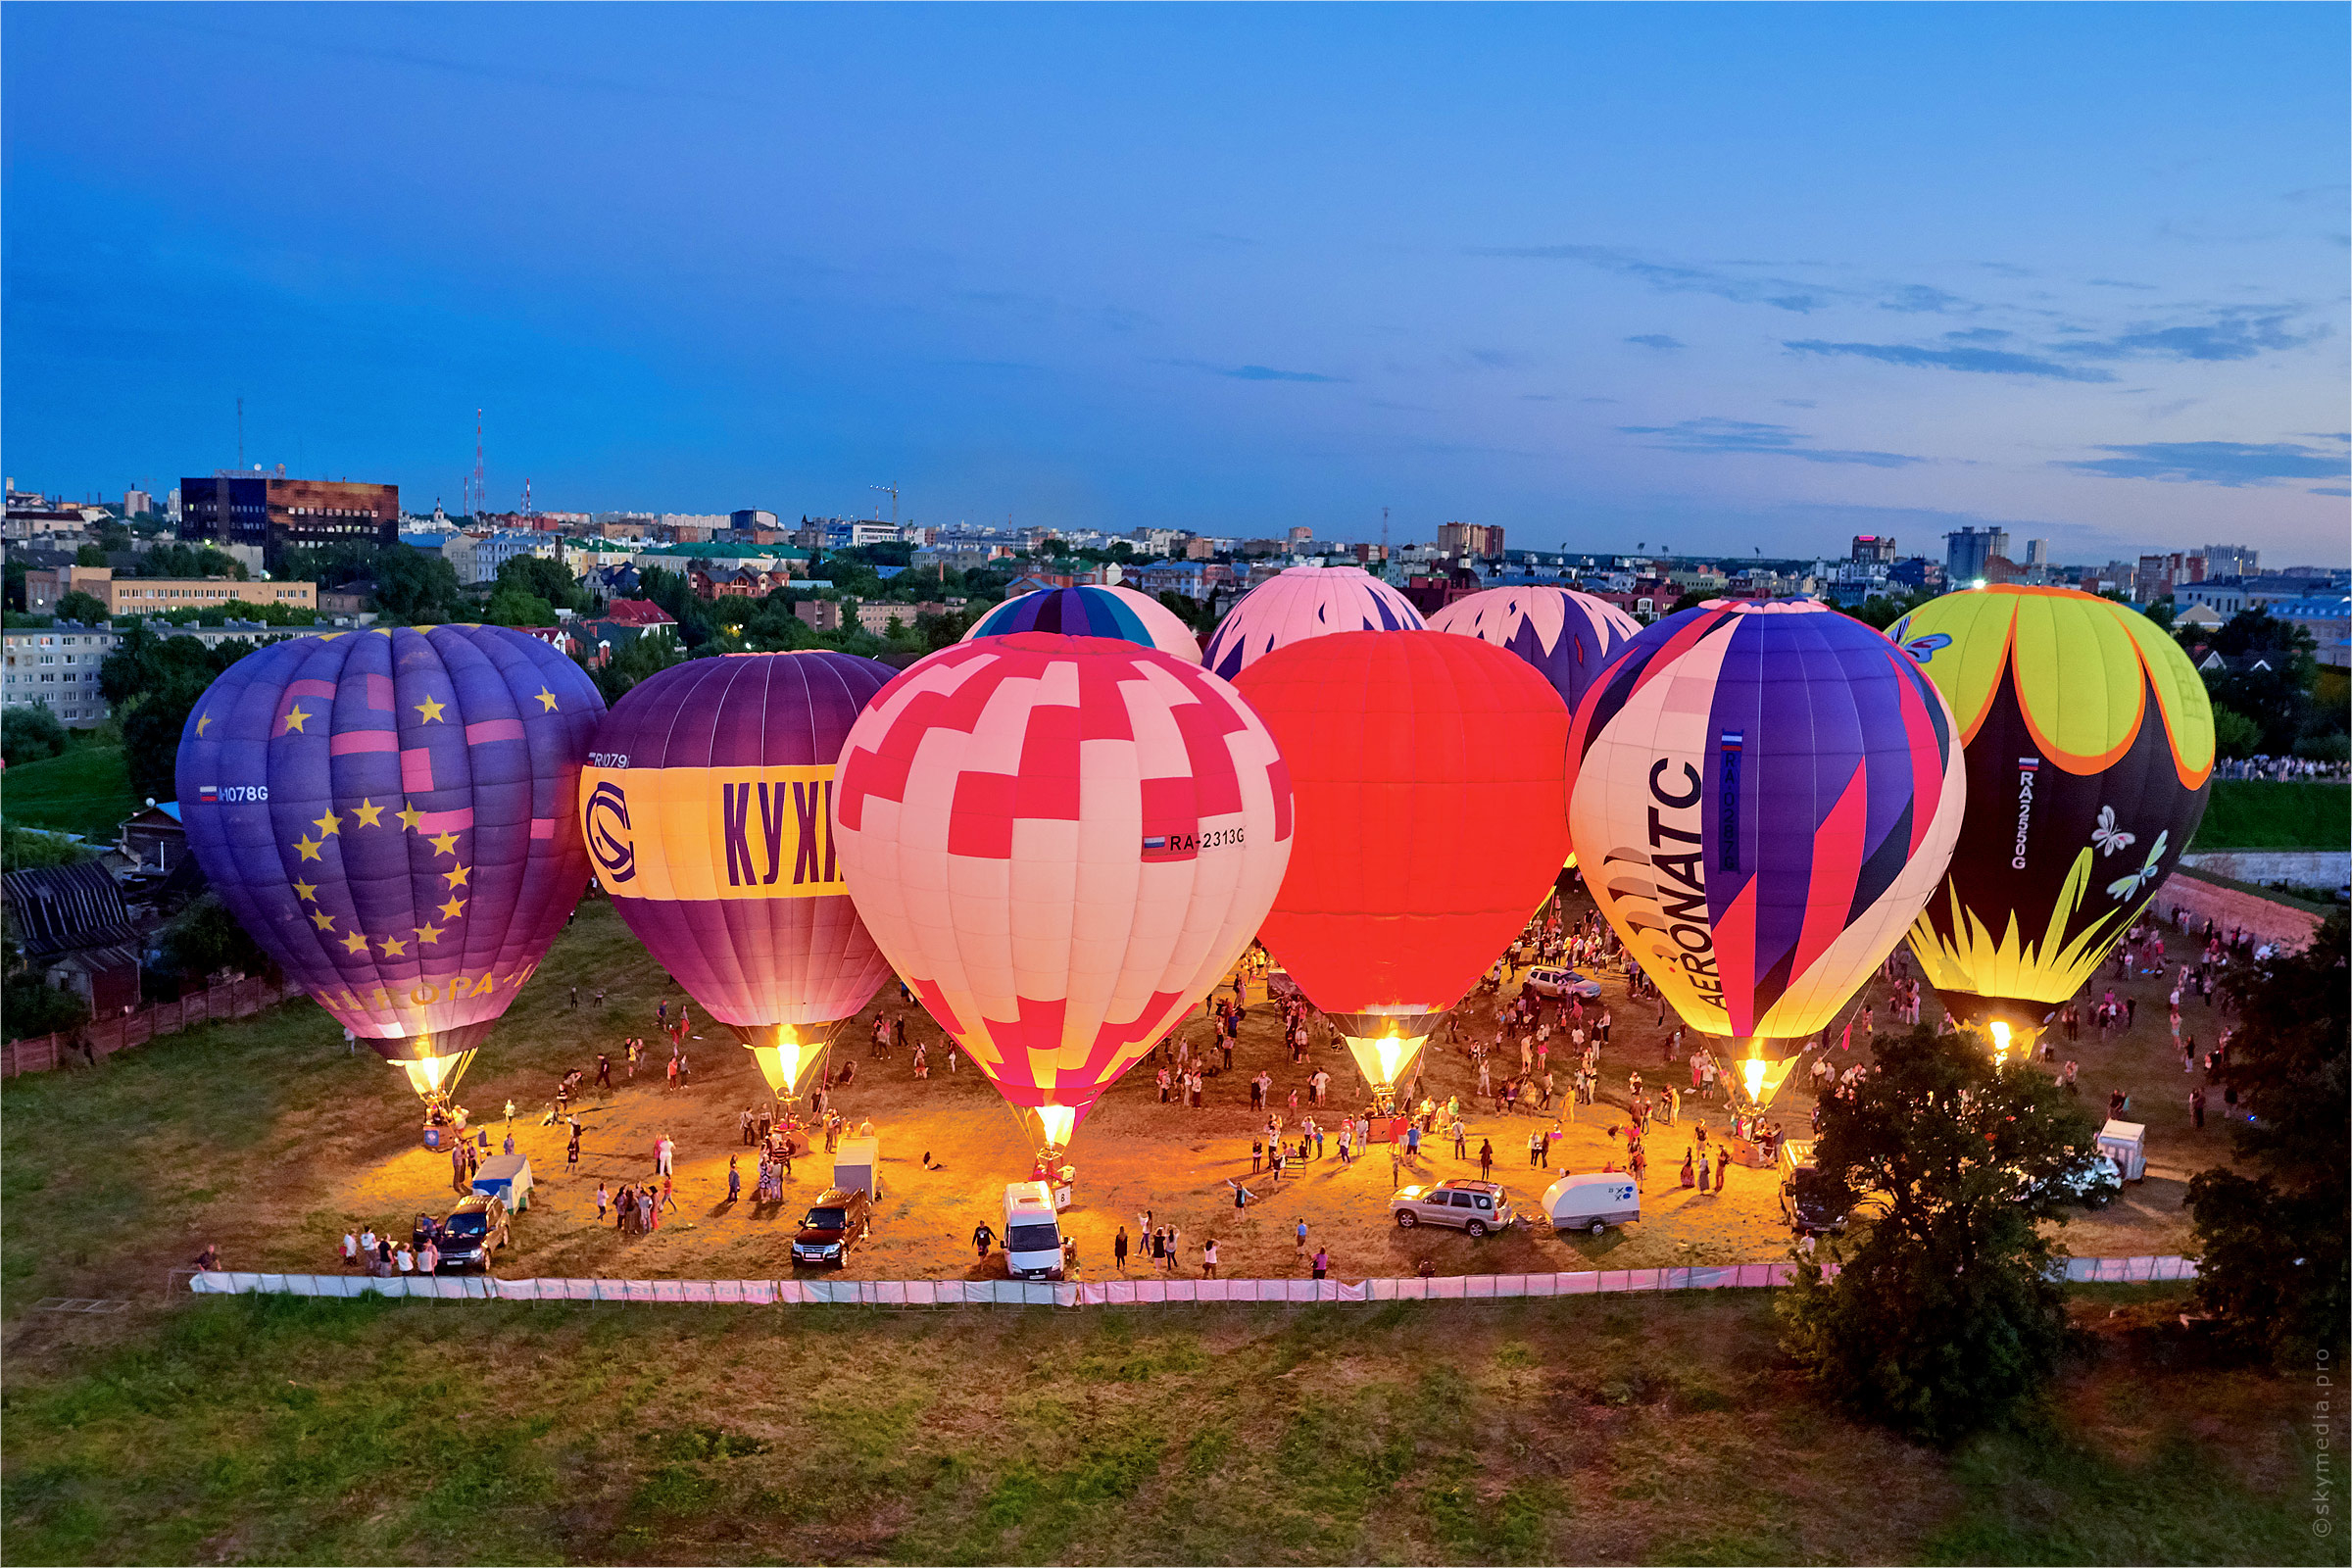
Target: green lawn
column 85, row 791
column 2249, row 814
column 1658, row 1429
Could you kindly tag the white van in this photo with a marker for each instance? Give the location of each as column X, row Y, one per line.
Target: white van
column 1032, row 1238
column 1592, row 1202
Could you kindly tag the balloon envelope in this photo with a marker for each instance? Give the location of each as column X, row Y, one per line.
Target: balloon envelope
column 393, row 815
column 708, row 811
column 1087, row 610
column 1432, row 788
column 1301, row 602
column 1060, row 842
column 2089, row 751
column 1765, row 794
column 1564, row 635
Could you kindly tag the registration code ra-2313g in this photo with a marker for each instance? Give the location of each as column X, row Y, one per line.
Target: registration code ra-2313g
column 1157, row 845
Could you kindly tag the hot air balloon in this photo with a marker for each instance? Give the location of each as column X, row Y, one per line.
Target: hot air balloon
column 1765, row 794
column 708, row 809
column 1060, row 842
column 2089, row 748
column 1431, row 785
column 1567, row 636
column 1090, row 611
column 1301, row 602
column 394, row 817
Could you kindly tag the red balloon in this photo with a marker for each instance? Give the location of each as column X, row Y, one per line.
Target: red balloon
column 1430, row 776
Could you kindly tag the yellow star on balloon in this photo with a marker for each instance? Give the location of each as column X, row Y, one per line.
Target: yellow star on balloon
column 454, row 908
column 368, row 812
column 355, row 943
column 430, row 708
column 294, row 718
column 328, row 826
column 306, row 891
column 201, row 721
column 456, row 878
column 408, row 815
column 310, row 851
column 323, row 920
column 547, row 702
column 444, row 843
column 427, row 935
column 394, row 948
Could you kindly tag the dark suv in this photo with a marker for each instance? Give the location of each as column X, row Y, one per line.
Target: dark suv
column 839, row 1219
column 1813, row 1204
column 472, row 1232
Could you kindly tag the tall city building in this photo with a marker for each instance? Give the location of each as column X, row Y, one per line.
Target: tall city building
column 1967, row 553
column 272, row 514
column 137, row 502
column 1483, row 540
column 2231, row 560
column 2037, row 551
column 1874, row 546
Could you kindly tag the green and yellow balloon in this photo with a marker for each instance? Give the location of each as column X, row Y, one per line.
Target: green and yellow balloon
column 2089, row 749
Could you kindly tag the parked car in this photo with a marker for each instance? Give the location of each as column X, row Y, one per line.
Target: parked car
column 839, row 1219
column 2092, row 1187
column 1814, row 1204
column 1476, row 1207
column 471, row 1233
column 1556, row 982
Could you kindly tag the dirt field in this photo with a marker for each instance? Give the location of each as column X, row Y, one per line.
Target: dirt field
column 1136, row 1155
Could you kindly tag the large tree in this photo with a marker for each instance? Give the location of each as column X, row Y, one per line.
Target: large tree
column 2274, row 1268
column 153, row 683
column 1947, row 1312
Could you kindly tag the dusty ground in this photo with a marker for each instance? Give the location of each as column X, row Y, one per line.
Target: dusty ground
column 1134, row 1154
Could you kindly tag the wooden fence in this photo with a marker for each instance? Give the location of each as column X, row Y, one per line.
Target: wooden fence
column 102, row 1037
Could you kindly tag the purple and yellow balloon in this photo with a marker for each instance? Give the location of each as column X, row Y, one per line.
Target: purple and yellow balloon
column 708, row 808
column 393, row 815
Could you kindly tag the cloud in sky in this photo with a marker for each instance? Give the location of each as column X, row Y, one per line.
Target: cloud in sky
column 1676, row 278
column 1714, row 437
column 1960, row 357
column 1656, row 340
column 1262, row 373
column 2232, row 463
column 2230, row 335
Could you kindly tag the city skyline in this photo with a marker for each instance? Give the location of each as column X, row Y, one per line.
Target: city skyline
column 1603, row 277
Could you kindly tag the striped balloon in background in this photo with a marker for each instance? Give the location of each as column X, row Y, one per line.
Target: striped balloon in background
column 1301, row 602
column 707, row 807
column 1060, row 842
column 1565, row 635
column 393, row 815
column 1087, row 610
column 1764, row 796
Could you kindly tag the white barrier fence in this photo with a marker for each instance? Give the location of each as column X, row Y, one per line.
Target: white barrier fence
column 1093, row 1293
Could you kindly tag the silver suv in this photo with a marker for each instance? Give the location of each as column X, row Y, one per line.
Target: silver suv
column 1476, row 1207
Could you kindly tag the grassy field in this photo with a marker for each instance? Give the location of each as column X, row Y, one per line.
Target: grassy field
column 2249, row 814
column 85, row 791
column 1661, row 1429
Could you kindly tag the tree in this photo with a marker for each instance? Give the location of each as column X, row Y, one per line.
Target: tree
column 33, row 1007
column 2278, row 698
column 87, row 608
column 2275, row 1266
column 509, row 607
column 205, row 938
column 2234, row 733
column 536, row 577
column 643, row 655
column 25, row 849
column 30, row 734
column 153, row 683
column 1690, row 601
column 188, row 560
column 90, row 555
column 415, row 587
column 1948, row 1315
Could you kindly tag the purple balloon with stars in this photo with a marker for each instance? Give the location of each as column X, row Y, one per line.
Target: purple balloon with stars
column 393, row 815
column 1567, row 636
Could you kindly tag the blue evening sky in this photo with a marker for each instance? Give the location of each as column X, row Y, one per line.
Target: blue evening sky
column 1717, row 278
